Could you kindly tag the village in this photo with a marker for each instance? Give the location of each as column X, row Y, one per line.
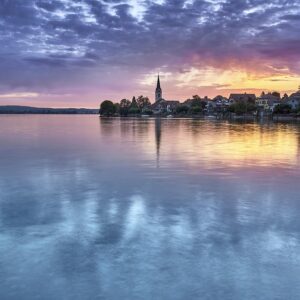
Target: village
column 270, row 105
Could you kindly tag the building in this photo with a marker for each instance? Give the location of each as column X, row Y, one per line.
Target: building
column 165, row 106
column 268, row 101
column 294, row 100
column 221, row 103
column 161, row 105
column 233, row 98
column 158, row 90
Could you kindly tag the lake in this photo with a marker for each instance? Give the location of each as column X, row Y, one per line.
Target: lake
column 94, row 208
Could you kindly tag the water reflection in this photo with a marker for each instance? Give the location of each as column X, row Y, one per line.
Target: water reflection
column 148, row 209
column 157, row 138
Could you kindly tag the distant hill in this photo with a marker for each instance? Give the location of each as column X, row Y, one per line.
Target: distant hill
column 15, row 109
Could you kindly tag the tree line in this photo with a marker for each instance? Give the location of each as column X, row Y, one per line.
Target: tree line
column 193, row 106
column 126, row 107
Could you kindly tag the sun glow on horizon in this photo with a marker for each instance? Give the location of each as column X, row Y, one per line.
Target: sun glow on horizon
column 213, row 81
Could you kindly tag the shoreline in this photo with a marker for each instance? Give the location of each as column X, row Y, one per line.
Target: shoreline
column 277, row 119
column 30, row 110
column 80, row 111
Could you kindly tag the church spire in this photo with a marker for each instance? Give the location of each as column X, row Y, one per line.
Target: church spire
column 158, row 82
column 158, row 91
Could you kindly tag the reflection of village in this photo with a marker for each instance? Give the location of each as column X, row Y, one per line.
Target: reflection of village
column 225, row 144
column 228, row 145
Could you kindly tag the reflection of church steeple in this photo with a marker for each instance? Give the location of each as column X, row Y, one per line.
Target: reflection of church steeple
column 157, row 138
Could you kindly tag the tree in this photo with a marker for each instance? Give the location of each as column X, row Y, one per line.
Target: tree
column 285, row 97
column 125, row 103
column 124, row 107
column 196, row 101
column 196, row 97
column 107, row 108
column 133, row 102
column 182, row 109
column 134, row 109
column 143, row 102
column 117, row 108
column 242, row 107
column 148, row 111
column 282, row 108
column 251, row 107
column 250, row 100
column 276, row 94
column 196, row 109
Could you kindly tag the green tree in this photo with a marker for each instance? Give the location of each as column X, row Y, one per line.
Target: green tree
column 231, row 108
column 182, row 109
column 143, row 102
column 134, row 109
column 124, row 107
column 196, row 110
column 196, row 101
column 133, row 102
column 251, row 107
column 196, row 97
column 147, row 111
column 107, row 108
column 282, row 108
column 242, row 107
column 117, row 108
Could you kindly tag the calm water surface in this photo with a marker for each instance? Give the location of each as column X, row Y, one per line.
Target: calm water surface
column 96, row 208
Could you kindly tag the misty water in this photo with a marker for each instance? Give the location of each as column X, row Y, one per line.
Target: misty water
column 96, row 208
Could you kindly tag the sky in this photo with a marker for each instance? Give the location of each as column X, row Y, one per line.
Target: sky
column 77, row 53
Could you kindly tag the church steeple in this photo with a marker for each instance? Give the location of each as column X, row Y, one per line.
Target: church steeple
column 158, row 91
column 158, row 83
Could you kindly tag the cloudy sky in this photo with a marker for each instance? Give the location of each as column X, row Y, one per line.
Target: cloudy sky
column 80, row 52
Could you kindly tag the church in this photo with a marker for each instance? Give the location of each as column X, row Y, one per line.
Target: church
column 161, row 106
column 158, row 91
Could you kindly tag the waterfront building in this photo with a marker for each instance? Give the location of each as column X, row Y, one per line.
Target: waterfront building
column 294, row 100
column 233, row 98
column 165, row 106
column 268, row 101
column 221, row 102
column 161, row 105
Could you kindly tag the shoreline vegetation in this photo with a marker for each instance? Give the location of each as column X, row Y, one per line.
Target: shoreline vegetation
column 269, row 107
